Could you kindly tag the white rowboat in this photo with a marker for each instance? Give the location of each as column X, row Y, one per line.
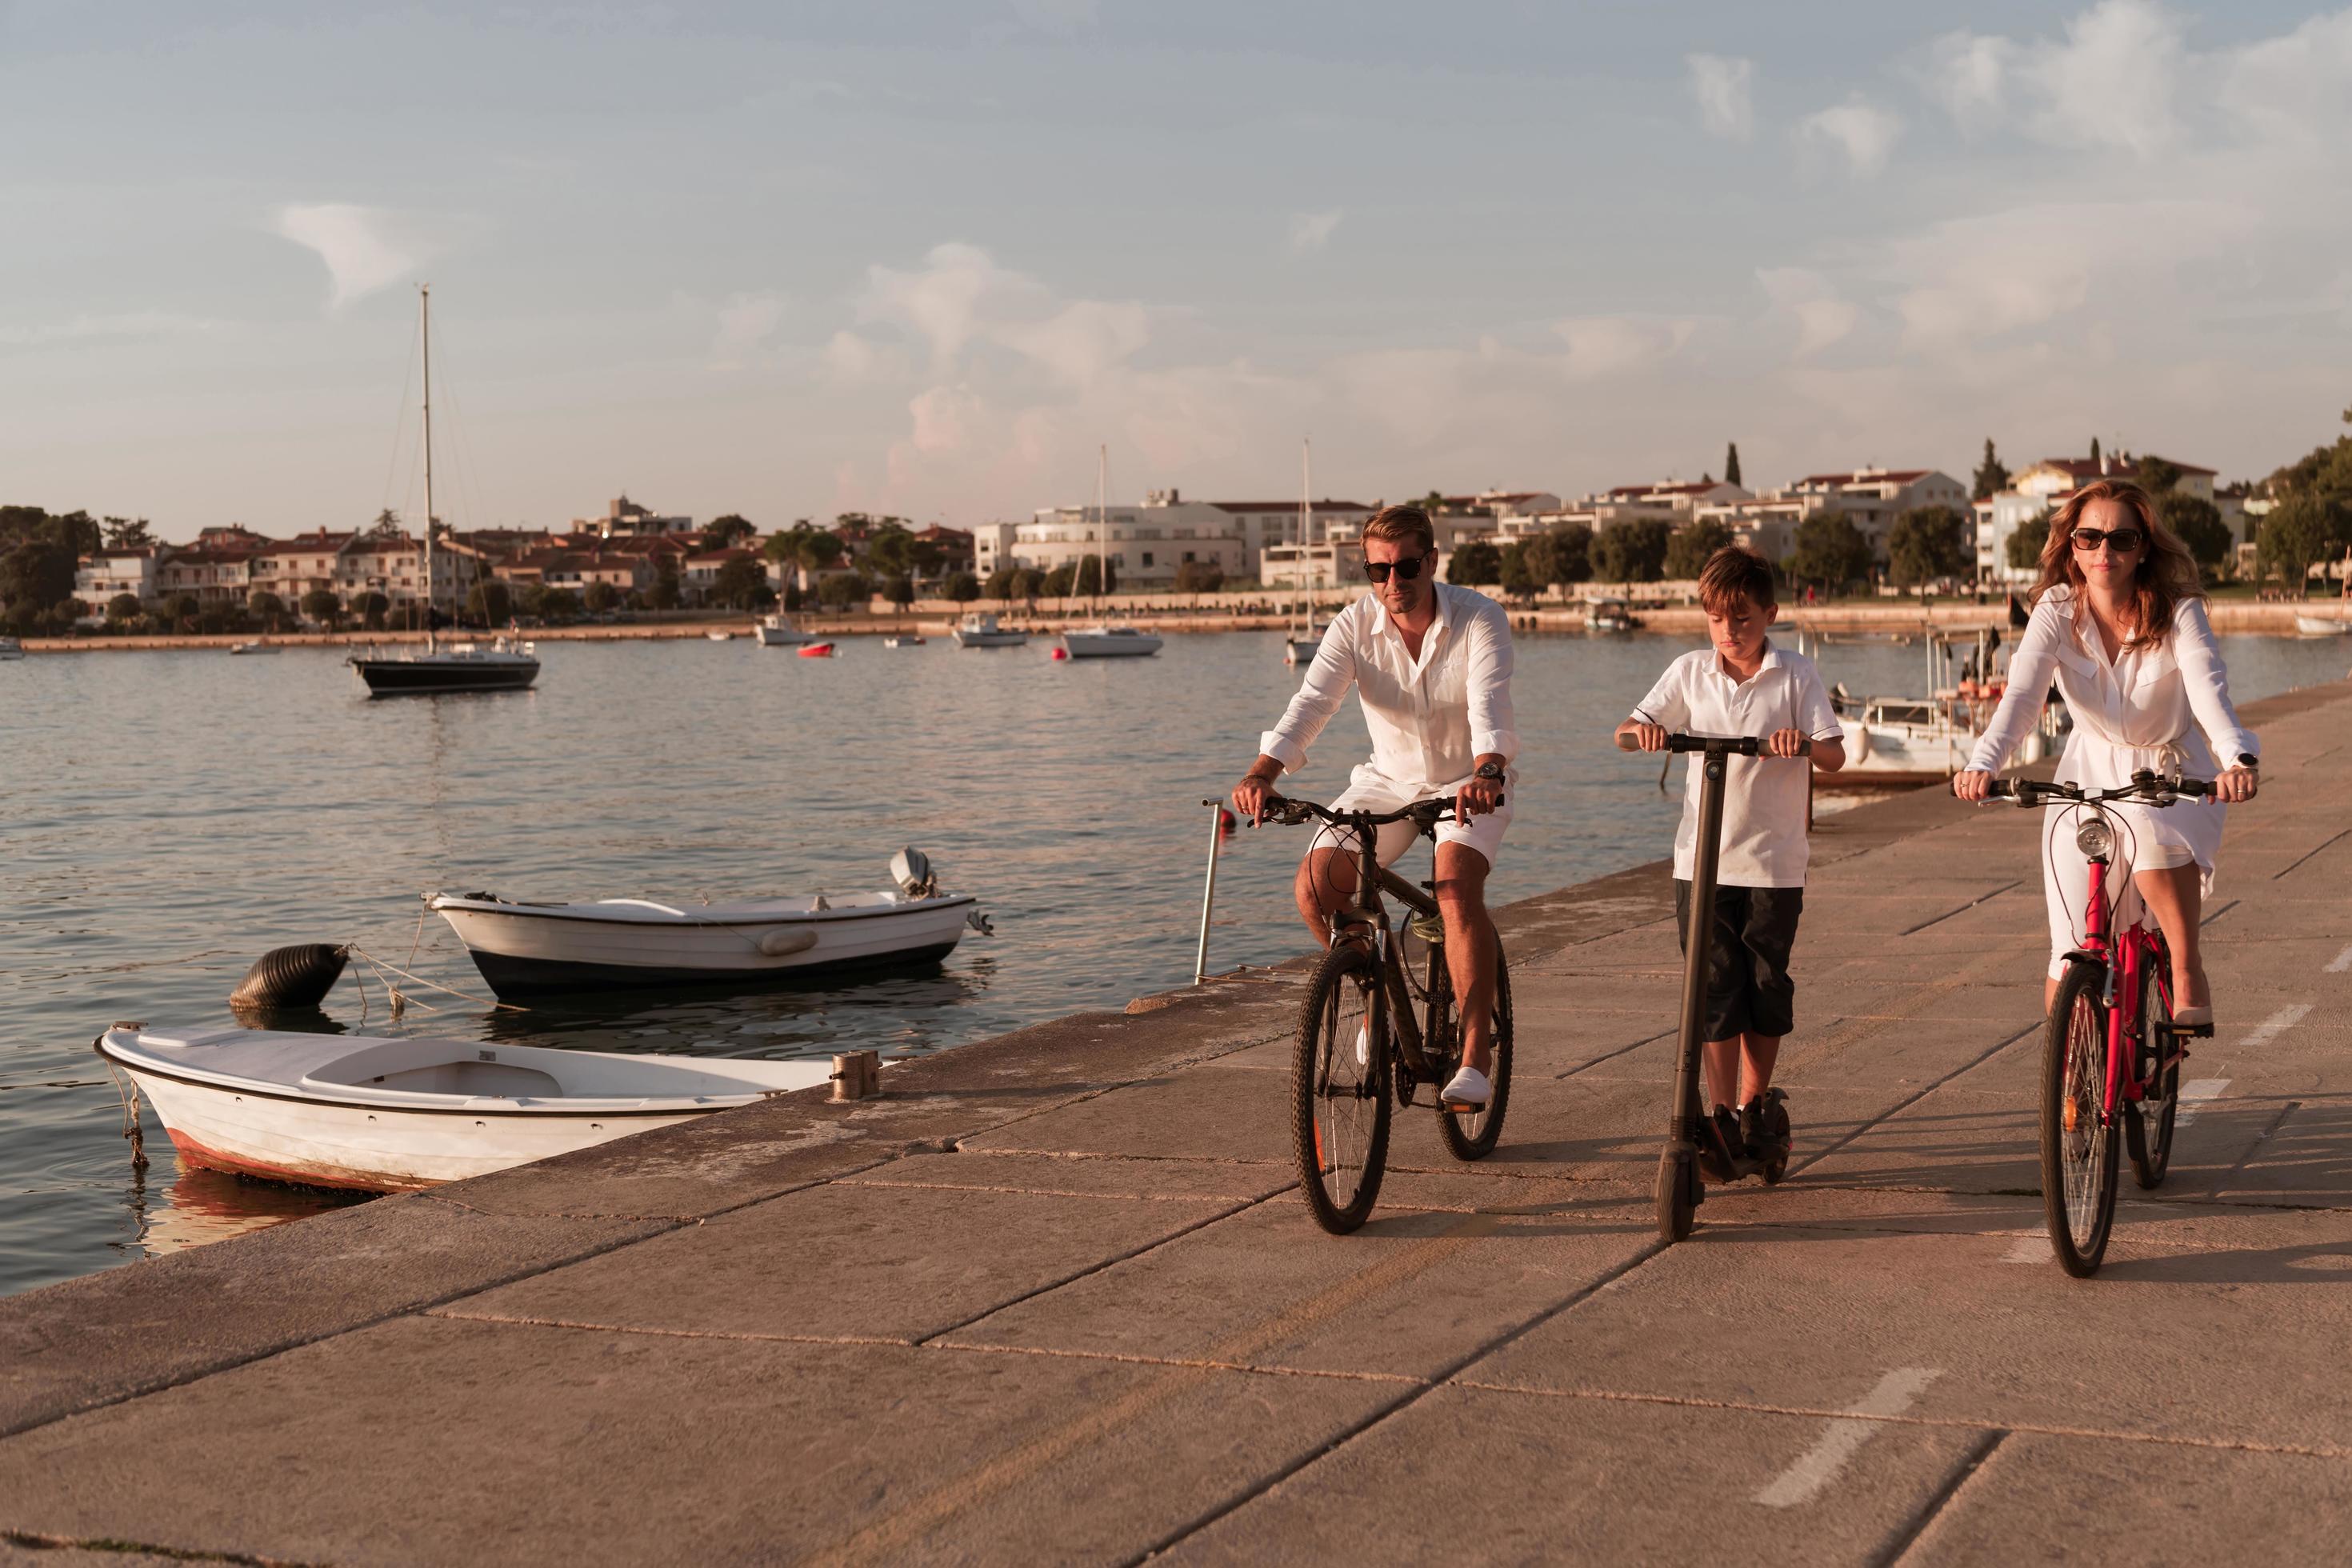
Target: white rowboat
column 1109, row 642
column 394, row 1115
column 778, row 631
column 986, row 631
column 524, row 949
column 2321, row 626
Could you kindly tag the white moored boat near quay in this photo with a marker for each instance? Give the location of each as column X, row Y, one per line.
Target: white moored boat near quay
column 778, row 631
column 986, row 631
column 394, row 1115
column 529, row 949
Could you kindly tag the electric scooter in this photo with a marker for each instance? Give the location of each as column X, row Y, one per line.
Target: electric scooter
column 1680, row 1190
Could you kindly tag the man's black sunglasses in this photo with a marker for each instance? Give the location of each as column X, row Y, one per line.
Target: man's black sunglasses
column 1409, row 568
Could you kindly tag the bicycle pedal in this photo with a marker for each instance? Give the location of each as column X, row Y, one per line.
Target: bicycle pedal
column 2189, row 1031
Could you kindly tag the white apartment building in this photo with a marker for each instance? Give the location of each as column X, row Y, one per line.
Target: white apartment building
column 1146, row 544
column 623, row 516
column 1671, row 501
column 392, row 564
column 291, row 568
column 101, row 575
column 2047, row 485
column 1871, row 498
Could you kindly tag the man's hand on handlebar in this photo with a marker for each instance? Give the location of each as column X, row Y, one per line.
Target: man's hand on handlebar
column 1251, row 795
column 1973, row 784
column 1477, row 797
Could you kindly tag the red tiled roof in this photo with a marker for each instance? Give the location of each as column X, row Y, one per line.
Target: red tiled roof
column 1868, row 477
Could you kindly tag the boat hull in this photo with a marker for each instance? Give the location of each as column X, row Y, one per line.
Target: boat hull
column 771, row 638
column 526, row 951
column 423, row 678
column 1078, row 647
column 992, row 640
column 287, row 1139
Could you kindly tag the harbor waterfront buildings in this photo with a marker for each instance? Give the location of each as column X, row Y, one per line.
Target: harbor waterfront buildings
column 1147, row 545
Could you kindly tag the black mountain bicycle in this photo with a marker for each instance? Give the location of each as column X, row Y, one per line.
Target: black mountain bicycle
column 1361, row 1044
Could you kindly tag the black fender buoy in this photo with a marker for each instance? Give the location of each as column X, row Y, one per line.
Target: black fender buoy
column 297, row 976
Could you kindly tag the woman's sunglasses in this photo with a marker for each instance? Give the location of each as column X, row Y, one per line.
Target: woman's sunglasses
column 1409, row 568
column 2122, row 541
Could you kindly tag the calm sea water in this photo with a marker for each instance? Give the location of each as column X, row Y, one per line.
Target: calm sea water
column 166, row 817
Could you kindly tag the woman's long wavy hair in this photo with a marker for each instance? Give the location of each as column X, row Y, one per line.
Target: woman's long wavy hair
column 2167, row 572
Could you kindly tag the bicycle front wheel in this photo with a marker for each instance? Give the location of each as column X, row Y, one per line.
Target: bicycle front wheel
column 2078, row 1146
column 1339, row 1089
column 2150, row 1127
column 1471, row 1134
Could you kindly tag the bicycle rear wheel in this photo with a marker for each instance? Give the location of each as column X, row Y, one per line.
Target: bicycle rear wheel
column 2079, row 1163
column 1339, row 1089
column 2150, row 1118
column 1471, row 1134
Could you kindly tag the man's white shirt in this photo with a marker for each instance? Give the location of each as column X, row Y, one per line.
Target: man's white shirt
column 1764, row 843
column 1430, row 717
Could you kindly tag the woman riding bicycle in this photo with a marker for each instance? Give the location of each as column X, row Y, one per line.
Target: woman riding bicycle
column 2119, row 623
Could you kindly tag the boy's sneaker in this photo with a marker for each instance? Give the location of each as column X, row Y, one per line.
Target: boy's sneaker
column 1764, row 1127
column 1719, row 1145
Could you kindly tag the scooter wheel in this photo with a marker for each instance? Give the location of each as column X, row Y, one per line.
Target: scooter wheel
column 1775, row 1127
column 1675, row 1209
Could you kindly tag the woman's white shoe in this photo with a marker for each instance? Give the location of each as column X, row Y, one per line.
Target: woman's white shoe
column 2193, row 1017
column 1469, row 1087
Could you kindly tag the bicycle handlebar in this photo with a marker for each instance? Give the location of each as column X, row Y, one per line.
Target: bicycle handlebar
column 1736, row 746
column 1427, row 813
column 2145, row 787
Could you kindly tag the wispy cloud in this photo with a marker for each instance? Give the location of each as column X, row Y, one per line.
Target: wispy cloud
column 357, row 243
column 1970, row 75
column 1822, row 317
column 2113, row 81
column 1725, row 88
column 1864, row 132
column 746, row 322
column 1312, row 231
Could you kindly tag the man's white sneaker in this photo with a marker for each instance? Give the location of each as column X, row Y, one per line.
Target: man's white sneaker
column 1469, row 1087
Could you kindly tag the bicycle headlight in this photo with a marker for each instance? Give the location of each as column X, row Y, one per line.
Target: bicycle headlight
column 2095, row 838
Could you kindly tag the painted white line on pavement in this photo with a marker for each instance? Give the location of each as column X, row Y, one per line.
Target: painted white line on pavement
column 2341, row 961
column 2031, row 1248
column 2195, row 1096
column 2272, row 1028
column 1821, row 1463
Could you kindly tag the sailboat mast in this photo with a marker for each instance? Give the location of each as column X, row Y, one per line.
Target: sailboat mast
column 424, row 334
column 1102, row 520
column 1307, row 524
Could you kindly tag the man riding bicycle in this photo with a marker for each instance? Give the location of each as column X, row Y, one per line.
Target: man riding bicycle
column 1431, row 663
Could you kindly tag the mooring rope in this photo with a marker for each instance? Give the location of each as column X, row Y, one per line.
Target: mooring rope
column 399, row 1002
column 130, row 1127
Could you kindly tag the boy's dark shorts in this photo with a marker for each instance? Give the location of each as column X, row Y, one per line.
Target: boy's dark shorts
column 1747, row 984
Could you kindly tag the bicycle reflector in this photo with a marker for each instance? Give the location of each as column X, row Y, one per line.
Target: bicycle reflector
column 2095, row 838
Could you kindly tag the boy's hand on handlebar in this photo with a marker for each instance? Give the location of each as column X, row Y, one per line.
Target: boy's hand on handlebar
column 1973, row 784
column 1649, row 737
column 2235, row 784
column 1786, row 743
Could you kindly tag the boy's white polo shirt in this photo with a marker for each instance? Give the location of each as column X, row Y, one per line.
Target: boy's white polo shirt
column 1764, row 843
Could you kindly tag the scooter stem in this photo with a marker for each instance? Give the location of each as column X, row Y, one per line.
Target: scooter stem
column 1697, row 942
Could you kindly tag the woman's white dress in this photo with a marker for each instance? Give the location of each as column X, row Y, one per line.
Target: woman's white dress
column 2133, row 713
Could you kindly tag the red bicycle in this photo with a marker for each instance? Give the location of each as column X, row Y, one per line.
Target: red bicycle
column 2111, row 1055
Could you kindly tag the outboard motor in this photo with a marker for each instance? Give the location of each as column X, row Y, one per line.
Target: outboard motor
column 912, row 869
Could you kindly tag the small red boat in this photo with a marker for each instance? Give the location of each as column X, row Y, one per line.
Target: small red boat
column 817, row 650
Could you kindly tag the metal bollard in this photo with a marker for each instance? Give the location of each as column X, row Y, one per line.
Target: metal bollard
column 856, row 1075
column 1209, row 892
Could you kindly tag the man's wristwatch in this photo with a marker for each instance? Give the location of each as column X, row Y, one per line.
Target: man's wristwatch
column 2247, row 761
column 1489, row 771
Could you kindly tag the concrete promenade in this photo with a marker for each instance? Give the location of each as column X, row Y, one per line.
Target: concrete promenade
column 1054, row 1297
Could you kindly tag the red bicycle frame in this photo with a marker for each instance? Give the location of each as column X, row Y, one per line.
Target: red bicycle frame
column 2124, row 960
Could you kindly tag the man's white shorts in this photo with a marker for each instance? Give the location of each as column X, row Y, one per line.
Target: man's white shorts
column 1370, row 790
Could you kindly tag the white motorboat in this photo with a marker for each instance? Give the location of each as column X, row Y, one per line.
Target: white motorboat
column 1109, row 642
column 720, row 637
column 1604, row 612
column 778, row 631
column 532, row 948
column 905, row 640
column 394, row 1115
column 11, row 649
column 238, row 649
column 1300, row 647
column 984, row 631
column 2321, row 626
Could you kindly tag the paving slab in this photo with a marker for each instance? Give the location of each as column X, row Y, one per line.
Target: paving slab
column 1485, row 1476
column 1087, row 1175
column 670, row 1449
column 1211, row 1112
column 2158, row 1346
column 108, row 1336
column 1408, row 1296
column 850, row 1262
column 2039, row 1498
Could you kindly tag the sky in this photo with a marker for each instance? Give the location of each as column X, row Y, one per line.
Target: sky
column 788, row 260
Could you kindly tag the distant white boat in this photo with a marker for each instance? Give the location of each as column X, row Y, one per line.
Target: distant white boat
column 1604, row 612
column 1109, row 642
column 396, row 1115
column 11, row 649
column 1300, row 647
column 721, row 637
column 778, row 631
column 531, row 949
column 249, row 647
column 2321, row 626
column 986, row 631
column 907, row 640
